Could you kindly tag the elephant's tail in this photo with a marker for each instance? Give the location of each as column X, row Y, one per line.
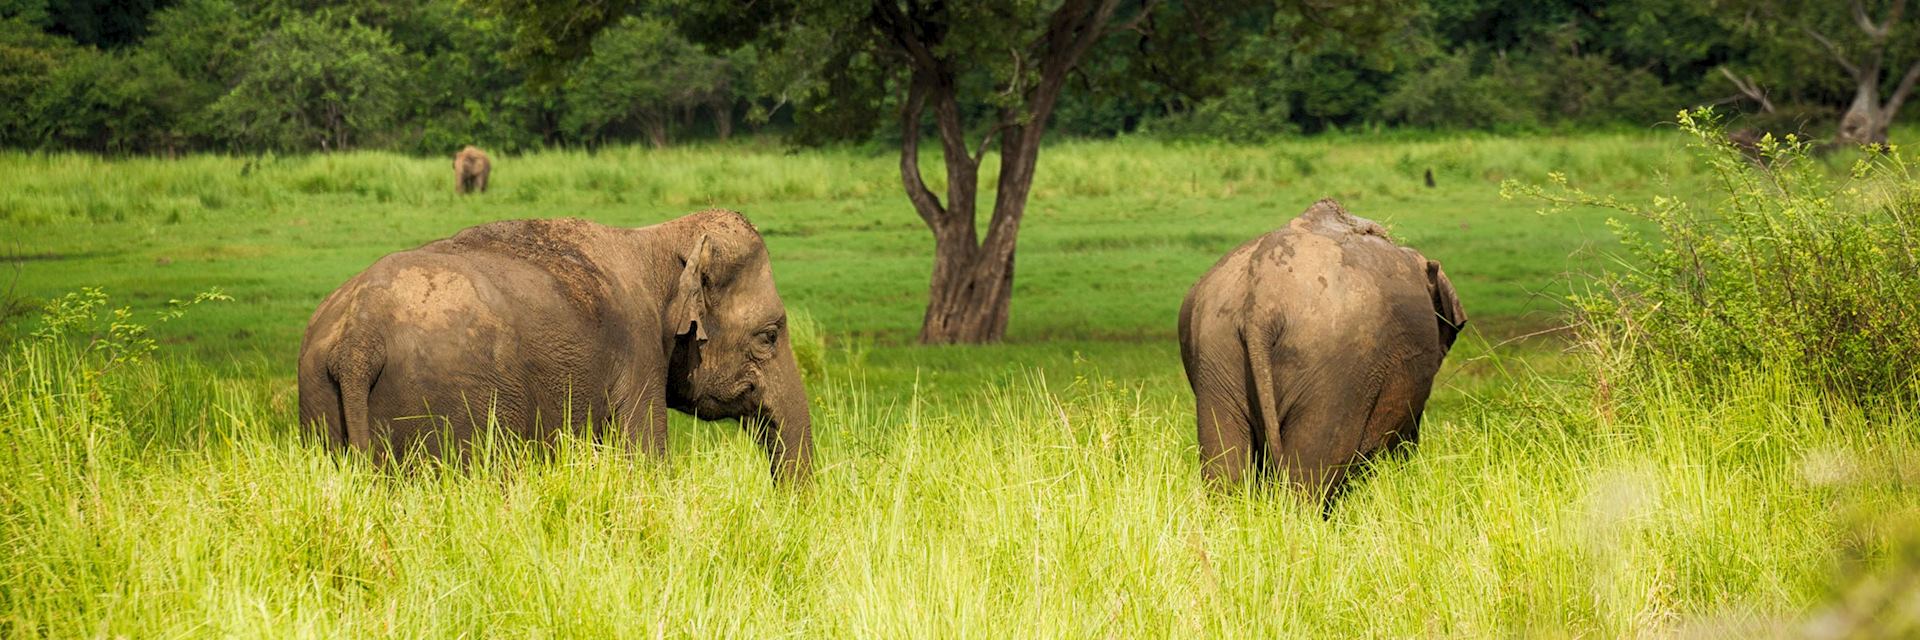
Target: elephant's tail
column 355, row 365
column 1259, row 340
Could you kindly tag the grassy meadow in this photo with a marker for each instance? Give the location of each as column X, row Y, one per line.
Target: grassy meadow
column 1044, row 487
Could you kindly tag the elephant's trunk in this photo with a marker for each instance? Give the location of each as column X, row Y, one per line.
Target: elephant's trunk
column 786, row 429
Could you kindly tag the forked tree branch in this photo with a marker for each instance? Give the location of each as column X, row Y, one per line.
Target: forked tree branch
column 1878, row 32
column 1750, row 89
column 1133, row 24
column 1834, row 49
column 987, row 140
column 901, row 29
column 1905, row 90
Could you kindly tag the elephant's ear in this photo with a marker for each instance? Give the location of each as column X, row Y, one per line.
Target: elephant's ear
column 688, row 310
column 1446, row 304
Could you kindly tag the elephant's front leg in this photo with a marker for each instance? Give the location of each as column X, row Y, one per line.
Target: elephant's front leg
column 641, row 417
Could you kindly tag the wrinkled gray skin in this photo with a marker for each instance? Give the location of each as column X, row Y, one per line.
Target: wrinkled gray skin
column 1311, row 348
column 554, row 325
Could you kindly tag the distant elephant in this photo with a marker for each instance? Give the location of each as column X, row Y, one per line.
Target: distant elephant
column 551, row 325
column 1311, row 348
column 470, row 170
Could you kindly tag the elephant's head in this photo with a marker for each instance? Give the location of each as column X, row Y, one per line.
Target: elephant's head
column 1446, row 306
column 731, row 353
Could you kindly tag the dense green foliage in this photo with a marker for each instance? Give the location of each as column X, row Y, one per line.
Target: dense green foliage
column 312, row 82
column 642, row 74
column 1780, row 263
column 426, row 76
column 1046, row 487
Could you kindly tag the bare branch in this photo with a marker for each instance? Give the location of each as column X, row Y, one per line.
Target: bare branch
column 1014, row 82
column 1901, row 93
column 981, row 151
column 1015, row 86
column 1749, row 88
column 1878, row 32
column 1838, row 55
column 1133, row 24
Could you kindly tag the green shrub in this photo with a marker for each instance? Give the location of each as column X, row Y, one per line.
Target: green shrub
column 27, row 59
column 1784, row 264
column 314, row 83
column 115, row 103
column 1450, row 94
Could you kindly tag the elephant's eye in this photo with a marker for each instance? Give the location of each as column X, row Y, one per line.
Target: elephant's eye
column 767, row 337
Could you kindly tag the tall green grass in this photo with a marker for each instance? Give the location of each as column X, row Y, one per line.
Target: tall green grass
column 164, row 501
column 1044, row 487
column 1115, row 233
column 61, row 188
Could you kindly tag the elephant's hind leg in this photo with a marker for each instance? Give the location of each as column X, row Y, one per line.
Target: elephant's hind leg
column 1226, row 436
column 1320, row 438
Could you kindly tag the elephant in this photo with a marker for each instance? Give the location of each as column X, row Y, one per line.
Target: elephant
column 551, row 325
column 470, row 170
column 1312, row 347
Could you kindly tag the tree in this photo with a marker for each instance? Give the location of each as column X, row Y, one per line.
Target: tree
column 313, row 83
column 992, row 71
column 1873, row 42
column 642, row 73
column 1871, row 64
column 972, row 282
column 1016, row 62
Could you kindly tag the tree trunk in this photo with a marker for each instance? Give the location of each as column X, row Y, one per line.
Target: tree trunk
column 656, row 128
column 970, row 293
column 972, row 285
column 973, row 289
column 1865, row 121
column 722, row 119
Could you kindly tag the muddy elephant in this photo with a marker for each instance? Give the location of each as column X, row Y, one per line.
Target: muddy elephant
column 1311, row 348
column 550, row 325
column 470, row 170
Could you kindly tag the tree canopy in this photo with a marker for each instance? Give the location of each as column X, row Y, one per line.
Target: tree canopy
column 146, row 76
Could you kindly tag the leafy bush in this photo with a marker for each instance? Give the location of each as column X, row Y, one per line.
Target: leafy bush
column 112, row 337
column 1244, row 114
column 28, row 58
column 1785, row 264
column 112, row 103
column 607, row 92
column 1550, row 87
column 315, row 83
column 1450, row 94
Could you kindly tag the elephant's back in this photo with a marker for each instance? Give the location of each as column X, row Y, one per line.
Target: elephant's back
column 520, row 273
column 1329, row 280
column 561, row 255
